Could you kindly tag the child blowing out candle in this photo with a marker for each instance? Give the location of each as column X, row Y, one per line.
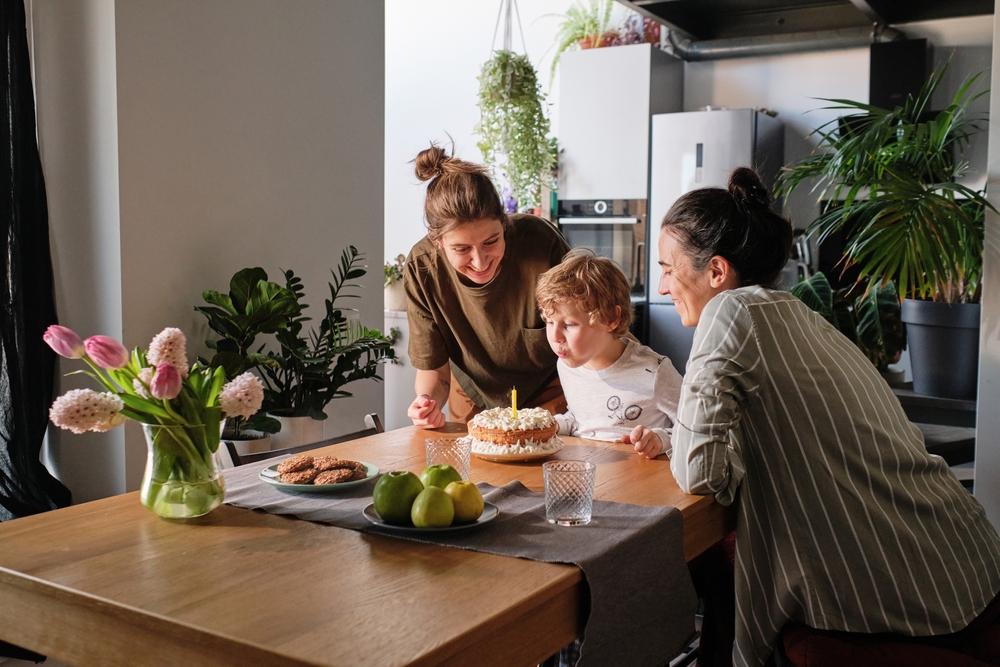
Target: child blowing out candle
column 616, row 388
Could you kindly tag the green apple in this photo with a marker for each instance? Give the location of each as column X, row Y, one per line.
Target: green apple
column 467, row 499
column 394, row 495
column 433, row 508
column 440, row 475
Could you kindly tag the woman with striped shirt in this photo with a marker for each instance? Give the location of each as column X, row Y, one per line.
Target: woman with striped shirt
column 845, row 522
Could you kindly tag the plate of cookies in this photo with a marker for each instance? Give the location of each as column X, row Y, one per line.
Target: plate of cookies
column 318, row 474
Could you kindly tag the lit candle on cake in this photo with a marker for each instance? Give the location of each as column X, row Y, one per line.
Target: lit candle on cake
column 513, row 403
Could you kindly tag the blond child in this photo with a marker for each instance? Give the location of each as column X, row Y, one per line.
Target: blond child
column 616, row 388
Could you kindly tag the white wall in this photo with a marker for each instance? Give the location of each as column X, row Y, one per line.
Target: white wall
column 434, row 50
column 987, row 413
column 249, row 133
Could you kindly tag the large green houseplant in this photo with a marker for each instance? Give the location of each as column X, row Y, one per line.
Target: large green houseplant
column 907, row 220
column 254, row 306
column 312, row 366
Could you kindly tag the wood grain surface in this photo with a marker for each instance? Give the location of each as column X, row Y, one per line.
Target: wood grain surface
column 109, row 583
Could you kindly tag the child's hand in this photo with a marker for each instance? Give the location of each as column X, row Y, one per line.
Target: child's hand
column 645, row 442
column 425, row 412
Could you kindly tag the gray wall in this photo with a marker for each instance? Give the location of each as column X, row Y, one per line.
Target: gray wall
column 249, row 133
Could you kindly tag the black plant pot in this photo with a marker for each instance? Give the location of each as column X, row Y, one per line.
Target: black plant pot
column 944, row 347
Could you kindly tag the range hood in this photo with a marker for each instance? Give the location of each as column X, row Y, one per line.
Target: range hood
column 710, row 29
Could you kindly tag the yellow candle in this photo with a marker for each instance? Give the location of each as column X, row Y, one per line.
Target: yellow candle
column 513, row 403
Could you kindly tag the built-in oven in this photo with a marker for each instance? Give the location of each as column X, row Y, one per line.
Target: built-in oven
column 614, row 228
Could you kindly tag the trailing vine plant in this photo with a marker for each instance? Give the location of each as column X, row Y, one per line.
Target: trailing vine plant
column 513, row 127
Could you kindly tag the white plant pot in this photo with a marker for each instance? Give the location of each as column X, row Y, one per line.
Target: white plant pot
column 296, row 431
column 395, row 296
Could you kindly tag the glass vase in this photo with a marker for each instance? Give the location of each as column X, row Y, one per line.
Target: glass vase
column 183, row 476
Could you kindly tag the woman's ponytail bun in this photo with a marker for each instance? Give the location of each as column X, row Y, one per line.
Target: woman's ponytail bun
column 430, row 163
column 737, row 224
column 458, row 191
column 746, row 188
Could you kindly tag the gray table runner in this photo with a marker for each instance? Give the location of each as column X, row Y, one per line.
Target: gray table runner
column 642, row 603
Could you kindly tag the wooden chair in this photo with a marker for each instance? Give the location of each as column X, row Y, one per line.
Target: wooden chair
column 372, row 423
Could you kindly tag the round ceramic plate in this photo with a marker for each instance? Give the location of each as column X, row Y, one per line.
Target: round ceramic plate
column 513, row 458
column 270, row 475
column 490, row 512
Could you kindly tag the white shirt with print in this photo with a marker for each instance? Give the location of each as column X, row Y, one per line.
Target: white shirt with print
column 640, row 388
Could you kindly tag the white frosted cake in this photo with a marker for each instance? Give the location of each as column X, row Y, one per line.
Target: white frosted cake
column 496, row 432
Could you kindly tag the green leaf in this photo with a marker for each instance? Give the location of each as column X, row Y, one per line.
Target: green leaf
column 815, row 292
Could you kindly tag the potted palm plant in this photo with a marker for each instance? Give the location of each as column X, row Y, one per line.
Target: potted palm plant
column 312, row 366
column 909, row 222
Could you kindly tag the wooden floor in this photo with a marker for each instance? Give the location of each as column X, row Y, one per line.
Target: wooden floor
column 10, row 662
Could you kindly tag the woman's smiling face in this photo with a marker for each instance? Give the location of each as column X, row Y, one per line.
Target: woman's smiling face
column 690, row 289
column 475, row 249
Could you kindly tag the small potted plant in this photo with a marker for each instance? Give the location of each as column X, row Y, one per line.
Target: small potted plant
column 312, row 366
column 585, row 27
column 909, row 222
column 253, row 307
column 395, row 296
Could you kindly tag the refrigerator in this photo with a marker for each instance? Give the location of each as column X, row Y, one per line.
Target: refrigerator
column 691, row 150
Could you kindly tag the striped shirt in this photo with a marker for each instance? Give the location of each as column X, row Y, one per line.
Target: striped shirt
column 845, row 521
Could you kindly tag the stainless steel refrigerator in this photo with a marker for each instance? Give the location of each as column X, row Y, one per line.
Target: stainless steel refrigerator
column 692, row 150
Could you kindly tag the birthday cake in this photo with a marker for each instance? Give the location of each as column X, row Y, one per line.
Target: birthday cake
column 497, row 432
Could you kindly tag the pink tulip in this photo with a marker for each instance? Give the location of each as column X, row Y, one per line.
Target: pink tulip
column 166, row 382
column 64, row 341
column 106, row 352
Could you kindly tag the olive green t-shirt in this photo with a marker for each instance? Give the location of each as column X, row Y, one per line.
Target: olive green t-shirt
column 492, row 334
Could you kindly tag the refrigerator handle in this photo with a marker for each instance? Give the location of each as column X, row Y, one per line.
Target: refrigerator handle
column 699, row 160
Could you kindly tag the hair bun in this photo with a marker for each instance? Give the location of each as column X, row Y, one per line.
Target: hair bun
column 430, row 162
column 746, row 187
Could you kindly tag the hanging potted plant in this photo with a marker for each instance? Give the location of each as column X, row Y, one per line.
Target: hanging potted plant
column 312, row 366
column 513, row 128
column 253, row 307
column 909, row 222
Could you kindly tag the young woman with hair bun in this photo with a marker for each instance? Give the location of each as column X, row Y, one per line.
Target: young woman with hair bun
column 475, row 330
column 846, row 526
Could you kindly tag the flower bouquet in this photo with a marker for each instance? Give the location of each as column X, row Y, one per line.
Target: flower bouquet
column 180, row 409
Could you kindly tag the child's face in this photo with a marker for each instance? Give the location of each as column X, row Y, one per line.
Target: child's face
column 577, row 341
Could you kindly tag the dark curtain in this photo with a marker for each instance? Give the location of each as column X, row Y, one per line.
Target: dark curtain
column 27, row 365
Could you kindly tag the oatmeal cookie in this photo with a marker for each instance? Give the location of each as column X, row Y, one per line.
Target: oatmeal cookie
column 323, row 463
column 295, row 464
column 299, row 476
column 334, row 476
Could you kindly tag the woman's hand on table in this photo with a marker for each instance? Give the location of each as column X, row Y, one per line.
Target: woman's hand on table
column 645, row 442
column 424, row 411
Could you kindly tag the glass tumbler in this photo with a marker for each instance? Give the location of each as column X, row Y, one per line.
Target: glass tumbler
column 455, row 452
column 569, row 491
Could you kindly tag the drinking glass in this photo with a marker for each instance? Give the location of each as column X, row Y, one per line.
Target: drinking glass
column 569, row 491
column 455, row 452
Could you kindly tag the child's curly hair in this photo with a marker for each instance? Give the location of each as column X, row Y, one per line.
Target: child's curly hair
column 596, row 285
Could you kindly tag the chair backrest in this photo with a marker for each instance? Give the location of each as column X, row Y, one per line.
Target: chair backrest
column 372, row 421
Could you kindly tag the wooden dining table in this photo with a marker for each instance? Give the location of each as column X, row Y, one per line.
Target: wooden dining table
column 109, row 583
